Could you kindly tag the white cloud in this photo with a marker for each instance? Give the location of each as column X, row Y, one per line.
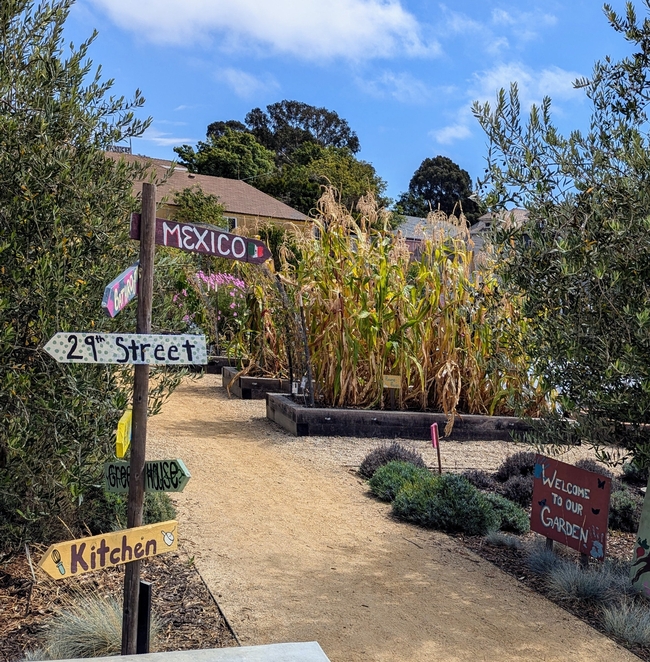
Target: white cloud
column 533, row 85
column 243, row 84
column 402, row 87
column 165, row 139
column 310, row 29
column 451, row 133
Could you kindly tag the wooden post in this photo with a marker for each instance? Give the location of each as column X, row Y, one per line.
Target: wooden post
column 144, row 618
column 549, row 544
column 139, row 429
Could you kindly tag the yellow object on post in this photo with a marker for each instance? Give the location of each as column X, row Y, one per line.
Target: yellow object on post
column 123, row 440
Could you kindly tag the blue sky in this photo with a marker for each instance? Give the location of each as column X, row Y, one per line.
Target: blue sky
column 402, row 73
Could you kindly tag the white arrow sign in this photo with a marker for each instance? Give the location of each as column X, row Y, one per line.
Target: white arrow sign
column 135, row 348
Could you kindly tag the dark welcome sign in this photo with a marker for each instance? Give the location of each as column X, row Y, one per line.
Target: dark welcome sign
column 205, row 239
column 571, row 506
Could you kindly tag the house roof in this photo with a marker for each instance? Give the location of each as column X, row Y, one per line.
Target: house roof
column 516, row 217
column 415, row 227
column 235, row 195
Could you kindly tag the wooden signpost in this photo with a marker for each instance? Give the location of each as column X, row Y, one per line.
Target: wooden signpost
column 571, row 506
column 141, row 350
column 121, row 291
column 123, row 437
column 77, row 557
column 127, row 348
column 393, row 383
column 205, row 239
column 160, row 476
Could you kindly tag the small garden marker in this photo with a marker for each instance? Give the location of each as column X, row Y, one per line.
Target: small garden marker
column 435, row 441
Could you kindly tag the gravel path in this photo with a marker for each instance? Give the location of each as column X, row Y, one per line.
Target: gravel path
column 294, row 549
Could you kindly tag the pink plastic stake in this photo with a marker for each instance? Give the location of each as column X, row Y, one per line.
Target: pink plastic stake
column 436, row 444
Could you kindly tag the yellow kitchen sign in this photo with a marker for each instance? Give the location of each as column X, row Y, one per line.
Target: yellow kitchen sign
column 77, row 557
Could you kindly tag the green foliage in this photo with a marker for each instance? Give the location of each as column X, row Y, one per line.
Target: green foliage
column 448, row 503
column 287, row 125
column 389, row 479
column 625, row 510
column 438, row 184
column 234, row 154
column 384, row 454
column 300, row 182
column 194, row 206
column 582, row 259
column 633, row 474
column 511, row 517
column 64, row 212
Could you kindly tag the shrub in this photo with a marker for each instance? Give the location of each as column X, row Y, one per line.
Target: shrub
column 448, row 503
column 542, row 560
column 634, row 475
column 519, row 464
column 511, row 517
column 596, row 467
column 629, row 621
column 568, row 581
column 388, row 480
column 625, row 511
column 499, row 539
column 518, row 489
column 387, row 453
column 414, row 501
column 480, row 479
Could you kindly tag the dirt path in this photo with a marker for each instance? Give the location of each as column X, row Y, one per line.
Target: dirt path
column 295, row 550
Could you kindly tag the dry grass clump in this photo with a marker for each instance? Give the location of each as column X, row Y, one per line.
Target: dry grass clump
column 629, row 621
column 90, row 626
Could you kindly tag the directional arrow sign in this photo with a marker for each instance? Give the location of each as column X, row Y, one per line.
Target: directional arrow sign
column 77, row 557
column 205, row 239
column 134, row 348
column 159, row 476
column 121, row 291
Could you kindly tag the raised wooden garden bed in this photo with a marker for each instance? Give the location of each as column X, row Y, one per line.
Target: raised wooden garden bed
column 306, row 421
column 253, row 388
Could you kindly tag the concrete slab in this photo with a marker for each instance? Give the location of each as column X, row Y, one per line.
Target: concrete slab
column 308, row 651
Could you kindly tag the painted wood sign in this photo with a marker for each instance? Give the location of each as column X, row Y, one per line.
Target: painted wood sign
column 571, row 506
column 124, row 429
column 127, row 348
column 159, row 476
column 121, row 291
column 205, row 239
column 77, row 557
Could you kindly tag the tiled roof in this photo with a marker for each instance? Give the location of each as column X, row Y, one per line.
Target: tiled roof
column 235, row 195
column 414, row 227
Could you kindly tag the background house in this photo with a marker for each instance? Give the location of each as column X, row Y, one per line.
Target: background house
column 245, row 207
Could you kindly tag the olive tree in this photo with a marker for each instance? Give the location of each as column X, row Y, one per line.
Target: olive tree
column 582, row 260
column 63, row 236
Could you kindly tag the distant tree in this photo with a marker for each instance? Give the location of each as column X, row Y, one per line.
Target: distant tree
column 192, row 205
column 218, row 129
column 438, row 182
column 287, row 125
column 234, row 154
column 300, row 182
